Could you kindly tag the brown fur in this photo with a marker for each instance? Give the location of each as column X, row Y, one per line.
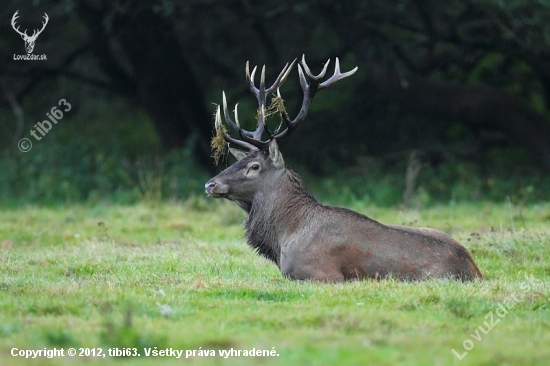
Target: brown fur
column 311, row 241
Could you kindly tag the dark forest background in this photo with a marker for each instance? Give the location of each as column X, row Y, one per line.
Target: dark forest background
column 450, row 102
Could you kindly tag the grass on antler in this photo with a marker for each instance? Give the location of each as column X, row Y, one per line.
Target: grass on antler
column 218, row 144
column 277, row 106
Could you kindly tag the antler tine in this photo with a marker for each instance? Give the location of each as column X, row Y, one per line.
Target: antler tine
column 218, row 125
column 250, row 79
column 283, row 75
column 43, row 23
column 228, row 119
column 310, row 84
column 243, row 133
column 303, row 81
column 308, row 71
column 261, row 97
column 236, row 126
column 13, row 22
column 260, row 94
column 337, row 75
column 262, row 79
column 218, row 119
column 14, row 18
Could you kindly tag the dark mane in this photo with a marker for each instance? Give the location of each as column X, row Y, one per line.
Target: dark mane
column 283, row 210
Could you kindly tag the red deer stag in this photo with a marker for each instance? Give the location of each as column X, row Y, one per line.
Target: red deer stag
column 306, row 239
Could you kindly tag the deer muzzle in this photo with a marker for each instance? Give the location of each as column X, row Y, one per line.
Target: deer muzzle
column 216, row 189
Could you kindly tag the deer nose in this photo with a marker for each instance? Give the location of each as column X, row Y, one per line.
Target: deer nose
column 209, row 187
column 216, row 189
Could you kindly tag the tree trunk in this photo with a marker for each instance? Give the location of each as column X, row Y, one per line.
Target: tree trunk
column 166, row 86
column 157, row 75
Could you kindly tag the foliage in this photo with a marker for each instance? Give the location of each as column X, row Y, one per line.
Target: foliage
column 92, row 172
column 96, row 172
column 121, row 161
column 180, row 276
column 383, row 182
column 169, row 60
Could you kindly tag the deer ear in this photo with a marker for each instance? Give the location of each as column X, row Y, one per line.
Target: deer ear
column 275, row 155
column 238, row 154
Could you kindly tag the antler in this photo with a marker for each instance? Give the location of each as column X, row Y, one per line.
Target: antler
column 24, row 34
column 43, row 26
column 13, row 20
column 253, row 139
column 310, row 90
column 310, row 84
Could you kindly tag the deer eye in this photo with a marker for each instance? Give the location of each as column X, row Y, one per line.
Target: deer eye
column 255, row 167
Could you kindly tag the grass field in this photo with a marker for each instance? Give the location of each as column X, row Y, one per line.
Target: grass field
column 180, row 276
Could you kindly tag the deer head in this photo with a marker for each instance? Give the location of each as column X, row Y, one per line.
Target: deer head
column 29, row 40
column 262, row 158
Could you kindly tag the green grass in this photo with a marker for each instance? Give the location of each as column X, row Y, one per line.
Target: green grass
column 180, row 276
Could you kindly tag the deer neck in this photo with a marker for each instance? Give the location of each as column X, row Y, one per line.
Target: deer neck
column 276, row 211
